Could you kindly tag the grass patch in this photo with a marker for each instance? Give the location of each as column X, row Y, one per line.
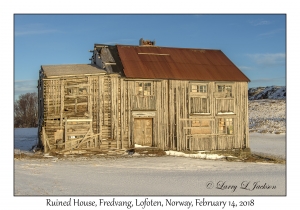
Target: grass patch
column 258, row 158
column 277, row 132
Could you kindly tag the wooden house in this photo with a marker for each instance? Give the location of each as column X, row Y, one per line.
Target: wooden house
column 163, row 97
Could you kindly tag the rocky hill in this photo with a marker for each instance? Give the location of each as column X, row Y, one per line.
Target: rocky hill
column 270, row 92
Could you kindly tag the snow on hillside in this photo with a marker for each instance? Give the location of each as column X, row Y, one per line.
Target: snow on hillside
column 267, row 116
column 270, row 92
column 267, row 109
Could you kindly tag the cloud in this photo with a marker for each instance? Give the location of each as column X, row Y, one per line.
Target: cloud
column 268, row 59
column 24, row 86
column 280, row 81
column 271, row 32
column 244, row 67
column 33, row 29
column 33, row 32
column 269, row 79
column 260, row 22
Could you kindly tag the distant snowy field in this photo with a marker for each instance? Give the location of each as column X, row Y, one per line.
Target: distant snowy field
column 25, row 138
column 267, row 116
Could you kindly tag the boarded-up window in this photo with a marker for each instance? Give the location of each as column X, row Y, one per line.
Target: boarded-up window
column 76, row 101
column 199, row 105
column 226, row 126
column 225, row 105
column 201, row 127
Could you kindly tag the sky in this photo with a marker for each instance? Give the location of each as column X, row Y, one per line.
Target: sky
column 256, row 44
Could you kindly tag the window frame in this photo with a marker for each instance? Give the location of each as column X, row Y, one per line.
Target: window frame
column 140, row 86
column 224, row 90
column 199, row 86
column 200, row 91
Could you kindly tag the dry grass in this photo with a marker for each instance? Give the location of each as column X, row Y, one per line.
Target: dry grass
column 259, row 158
column 252, row 157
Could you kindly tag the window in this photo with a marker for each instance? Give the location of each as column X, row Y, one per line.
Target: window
column 82, row 90
column 226, row 89
column 143, row 88
column 195, row 88
column 225, row 126
column 147, row 88
column 199, row 101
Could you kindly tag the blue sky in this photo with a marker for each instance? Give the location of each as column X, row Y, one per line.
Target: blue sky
column 255, row 43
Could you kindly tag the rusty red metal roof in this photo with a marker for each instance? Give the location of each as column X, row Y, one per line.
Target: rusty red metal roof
column 151, row 62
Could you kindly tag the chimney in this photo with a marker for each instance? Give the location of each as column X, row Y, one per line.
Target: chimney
column 146, row 42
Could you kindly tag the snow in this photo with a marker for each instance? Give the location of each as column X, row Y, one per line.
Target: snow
column 267, row 116
column 270, row 144
column 225, row 113
column 198, row 155
column 25, row 138
column 165, row 175
column 270, row 92
column 140, row 146
column 176, row 173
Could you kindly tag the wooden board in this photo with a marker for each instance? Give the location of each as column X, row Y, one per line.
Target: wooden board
column 143, row 131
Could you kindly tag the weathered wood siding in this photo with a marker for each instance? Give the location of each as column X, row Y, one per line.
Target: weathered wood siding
column 176, row 127
column 80, row 112
column 201, row 131
column 99, row 111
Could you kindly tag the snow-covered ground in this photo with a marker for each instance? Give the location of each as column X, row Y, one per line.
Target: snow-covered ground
column 24, row 139
column 270, row 144
column 138, row 175
column 166, row 175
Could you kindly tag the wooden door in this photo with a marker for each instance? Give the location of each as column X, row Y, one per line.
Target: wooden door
column 143, row 131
